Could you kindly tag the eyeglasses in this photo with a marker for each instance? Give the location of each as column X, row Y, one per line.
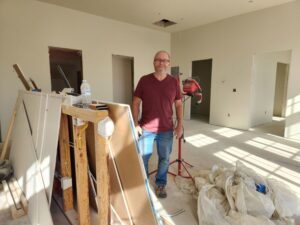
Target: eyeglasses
column 162, row 60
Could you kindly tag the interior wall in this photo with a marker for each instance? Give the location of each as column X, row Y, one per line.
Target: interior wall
column 29, row 27
column 263, row 85
column 232, row 43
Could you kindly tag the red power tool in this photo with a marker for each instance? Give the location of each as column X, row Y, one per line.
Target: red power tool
column 192, row 88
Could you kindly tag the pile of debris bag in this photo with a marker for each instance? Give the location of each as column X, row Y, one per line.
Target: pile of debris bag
column 239, row 196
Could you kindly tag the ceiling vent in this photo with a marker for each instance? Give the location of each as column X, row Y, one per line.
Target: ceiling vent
column 164, row 23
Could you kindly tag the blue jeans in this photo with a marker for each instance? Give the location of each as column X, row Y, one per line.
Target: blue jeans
column 164, row 143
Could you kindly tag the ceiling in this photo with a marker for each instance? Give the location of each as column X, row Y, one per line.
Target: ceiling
column 186, row 13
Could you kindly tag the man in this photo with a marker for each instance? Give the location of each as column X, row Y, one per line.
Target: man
column 158, row 92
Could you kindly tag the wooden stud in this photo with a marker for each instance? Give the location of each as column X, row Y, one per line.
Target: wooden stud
column 101, row 152
column 84, row 114
column 6, row 144
column 81, row 168
column 65, row 161
column 22, row 77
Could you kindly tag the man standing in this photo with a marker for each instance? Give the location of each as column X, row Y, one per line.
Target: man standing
column 158, row 92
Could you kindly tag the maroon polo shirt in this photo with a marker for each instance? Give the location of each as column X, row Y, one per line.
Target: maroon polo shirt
column 157, row 101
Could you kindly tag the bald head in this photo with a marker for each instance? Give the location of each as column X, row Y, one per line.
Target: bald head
column 162, row 52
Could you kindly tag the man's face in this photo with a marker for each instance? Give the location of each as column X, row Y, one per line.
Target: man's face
column 161, row 62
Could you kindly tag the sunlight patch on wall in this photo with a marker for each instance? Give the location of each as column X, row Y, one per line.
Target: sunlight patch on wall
column 200, row 140
column 45, row 169
column 227, row 132
column 293, row 105
column 293, row 131
column 30, row 184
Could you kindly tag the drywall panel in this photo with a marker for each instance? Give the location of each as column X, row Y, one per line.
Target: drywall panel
column 35, row 106
column 27, row 171
column 50, row 133
column 231, row 43
column 34, row 148
column 29, row 27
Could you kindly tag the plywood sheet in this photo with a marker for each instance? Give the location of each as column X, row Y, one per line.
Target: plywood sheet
column 130, row 168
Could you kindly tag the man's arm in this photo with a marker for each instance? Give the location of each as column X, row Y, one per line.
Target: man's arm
column 179, row 116
column 135, row 114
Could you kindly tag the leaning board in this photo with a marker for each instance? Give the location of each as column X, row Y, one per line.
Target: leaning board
column 33, row 156
column 130, row 168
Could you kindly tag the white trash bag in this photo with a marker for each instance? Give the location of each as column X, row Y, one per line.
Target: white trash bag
column 249, row 201
column 212, row 206
column 287, row 204
column 236, row 218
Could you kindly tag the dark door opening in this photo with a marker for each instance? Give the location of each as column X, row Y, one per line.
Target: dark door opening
column 201, row 71
column 70, row 61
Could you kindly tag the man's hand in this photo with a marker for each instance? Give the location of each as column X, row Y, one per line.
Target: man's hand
column 138, row 131
column 178, row 131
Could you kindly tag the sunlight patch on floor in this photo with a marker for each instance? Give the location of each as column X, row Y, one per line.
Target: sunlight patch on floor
column 275, row 118
column 200, row 140
column 273, row 147
column 227, row 132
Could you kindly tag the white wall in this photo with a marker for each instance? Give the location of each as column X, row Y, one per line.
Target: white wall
column 231, row 44
column 28, row 27
column 263, row 85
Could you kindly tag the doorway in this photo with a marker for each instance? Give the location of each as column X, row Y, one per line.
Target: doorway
column 122, row 70
column 269, row 91
column 201, row 72
column 65, row 69
column 282, row 73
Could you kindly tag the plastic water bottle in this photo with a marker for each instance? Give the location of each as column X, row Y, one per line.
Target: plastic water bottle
column 85, row 94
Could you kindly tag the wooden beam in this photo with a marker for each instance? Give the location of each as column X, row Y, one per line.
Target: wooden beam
column 6, row 145
column 102, row 176
column 65, row 161
column 81, row 168
column 22, row 77
column 88, row 115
